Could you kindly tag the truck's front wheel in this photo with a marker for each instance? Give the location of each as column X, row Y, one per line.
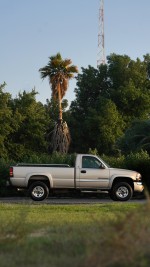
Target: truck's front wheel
column 121, row 191
column 38, row 191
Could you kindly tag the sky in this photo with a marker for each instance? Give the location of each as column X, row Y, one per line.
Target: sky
column 33, row 30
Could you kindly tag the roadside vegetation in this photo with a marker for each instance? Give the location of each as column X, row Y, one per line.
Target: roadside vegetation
column 104, row 235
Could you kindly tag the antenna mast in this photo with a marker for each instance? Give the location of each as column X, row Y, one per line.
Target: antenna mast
column 101, row 47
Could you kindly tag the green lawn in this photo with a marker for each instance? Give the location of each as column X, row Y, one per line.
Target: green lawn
column 116, row 234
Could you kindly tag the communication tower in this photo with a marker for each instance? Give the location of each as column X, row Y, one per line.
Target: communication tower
column 101, row 45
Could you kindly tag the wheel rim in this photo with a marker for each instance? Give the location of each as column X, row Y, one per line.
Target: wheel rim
column 38, row 192
column 122, row 192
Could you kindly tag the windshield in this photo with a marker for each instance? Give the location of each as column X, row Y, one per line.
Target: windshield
column 106, row 164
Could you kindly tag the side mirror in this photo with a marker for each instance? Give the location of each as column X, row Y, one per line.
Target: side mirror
column 102, row 167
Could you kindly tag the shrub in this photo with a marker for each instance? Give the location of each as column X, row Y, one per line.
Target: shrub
column 4, row 175
column 56, row 157
column 114, row 162
column 4, row 172
column 140, row 162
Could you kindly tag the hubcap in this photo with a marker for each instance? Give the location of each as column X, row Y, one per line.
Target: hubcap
column 122, row 192
column 38, row 191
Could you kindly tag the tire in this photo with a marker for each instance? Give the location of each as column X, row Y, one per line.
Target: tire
column 112, row 196
column 38, row 191
column 121, row 192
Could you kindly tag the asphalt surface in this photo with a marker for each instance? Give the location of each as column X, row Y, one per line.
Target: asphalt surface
column 65, row 200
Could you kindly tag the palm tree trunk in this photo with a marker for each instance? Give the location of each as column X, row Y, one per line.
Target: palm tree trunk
column 59, row 104
column 60, row 140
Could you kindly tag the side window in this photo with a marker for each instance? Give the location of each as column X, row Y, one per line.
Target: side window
column 91, row 162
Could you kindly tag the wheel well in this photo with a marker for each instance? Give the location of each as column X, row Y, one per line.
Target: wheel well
column 43, row 179
column 123, row 179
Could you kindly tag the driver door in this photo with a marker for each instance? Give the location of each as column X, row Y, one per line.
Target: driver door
column 93, row 175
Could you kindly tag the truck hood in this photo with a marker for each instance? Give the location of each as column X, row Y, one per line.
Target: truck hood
column 124, row 172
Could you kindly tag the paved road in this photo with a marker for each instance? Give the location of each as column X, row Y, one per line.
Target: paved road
column 64, row 200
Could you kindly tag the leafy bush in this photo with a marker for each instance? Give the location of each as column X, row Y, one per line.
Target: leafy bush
column 114, row 162
column 4, row 175
column 140, row 162
column 4, row 172
column 56, row 157
column 136, row 137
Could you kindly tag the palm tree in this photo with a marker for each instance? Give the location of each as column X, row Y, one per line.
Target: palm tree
column 59, row 72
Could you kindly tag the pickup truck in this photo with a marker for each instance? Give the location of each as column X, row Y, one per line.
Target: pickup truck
column 90, row 174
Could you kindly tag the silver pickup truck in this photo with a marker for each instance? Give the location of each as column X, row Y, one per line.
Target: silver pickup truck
column 90, row 173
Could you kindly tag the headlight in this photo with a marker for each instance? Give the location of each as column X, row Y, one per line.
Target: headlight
column 138, row 177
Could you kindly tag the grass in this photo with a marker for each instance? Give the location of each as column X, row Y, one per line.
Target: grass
column 116, row 234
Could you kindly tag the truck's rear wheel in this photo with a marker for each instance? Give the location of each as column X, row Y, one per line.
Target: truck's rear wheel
column 38, row 191
column 121, row 191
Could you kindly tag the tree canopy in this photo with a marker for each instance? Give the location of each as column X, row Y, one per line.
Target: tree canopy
column 110, row 112
column 136, row 138
column 123, row 84
column 23, row 123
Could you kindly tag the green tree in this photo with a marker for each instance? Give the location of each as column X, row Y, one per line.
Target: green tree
column 136, row 138
column 118, row 71
column 122, row 69
column 5, row 120
column 125, row 83
column 147, row 63
column 132, row 102
column 100, row 128
column 130, row 86
column 59, row 71
column 30, row 126
column 104, row 126
column 91, row 84
column 9, row 122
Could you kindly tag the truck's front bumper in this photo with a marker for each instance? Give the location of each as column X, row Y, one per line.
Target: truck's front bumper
column 138, row 187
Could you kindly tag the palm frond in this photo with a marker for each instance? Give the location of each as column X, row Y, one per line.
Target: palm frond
column 58, row 71
column 66, row 62
column 72, row 69
column 57, row 56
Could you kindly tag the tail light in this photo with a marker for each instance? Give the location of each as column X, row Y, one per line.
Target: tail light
column 11, row 171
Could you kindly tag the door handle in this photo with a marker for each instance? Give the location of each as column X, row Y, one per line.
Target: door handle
column 83, row 171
